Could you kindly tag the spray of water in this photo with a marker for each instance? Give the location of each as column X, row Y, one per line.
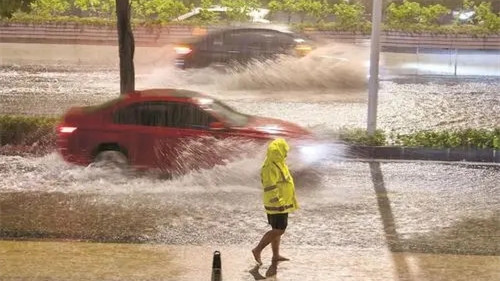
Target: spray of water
column 335, row 68
column 322, row 69
column 238, row 164
column 205, row 153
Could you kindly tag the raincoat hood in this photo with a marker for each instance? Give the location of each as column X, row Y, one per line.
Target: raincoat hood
column 277, row 151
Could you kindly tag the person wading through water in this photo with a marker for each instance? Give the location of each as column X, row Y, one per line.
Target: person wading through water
column 279, row 198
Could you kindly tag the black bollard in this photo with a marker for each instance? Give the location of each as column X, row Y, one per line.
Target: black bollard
column 216, row 267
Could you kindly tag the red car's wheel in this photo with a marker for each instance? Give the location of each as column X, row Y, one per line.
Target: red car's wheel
column 111, row 159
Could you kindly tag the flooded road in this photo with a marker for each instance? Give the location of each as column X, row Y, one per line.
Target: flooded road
column 425, row 201
column 387, row 214
column 358, row 221
column 324, row 95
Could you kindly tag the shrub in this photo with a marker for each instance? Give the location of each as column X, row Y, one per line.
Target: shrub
column 350, row 16
column 33, row 130
column 411, row 13
column 23, row 130
column 467, row 138
column 486, row 18
column 359, row 136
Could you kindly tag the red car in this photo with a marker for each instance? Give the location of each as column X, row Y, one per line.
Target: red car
column 160, row 128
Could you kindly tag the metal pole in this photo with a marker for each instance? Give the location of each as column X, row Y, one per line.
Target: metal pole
column 374, row 67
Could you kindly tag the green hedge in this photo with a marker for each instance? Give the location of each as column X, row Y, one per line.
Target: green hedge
column 403, row 16
column 360, row 137
column 27, row 130
column 458, row 138
column 467, row 138
column 363, row 28
column 471, row 30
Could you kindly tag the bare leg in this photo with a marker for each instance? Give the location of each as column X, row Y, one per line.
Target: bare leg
column 275, row 244
column 266, row 239
column 276, row 247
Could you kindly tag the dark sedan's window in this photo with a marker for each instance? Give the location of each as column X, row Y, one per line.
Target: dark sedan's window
column 235, row 38
column 283, row 40
column 259, row 40
column 266, row 40
column 165, row 114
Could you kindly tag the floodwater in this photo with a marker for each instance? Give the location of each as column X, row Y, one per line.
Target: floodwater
column 324, row 91
column 358, row 220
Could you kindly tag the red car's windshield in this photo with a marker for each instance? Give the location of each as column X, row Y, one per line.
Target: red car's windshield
column 230, row 116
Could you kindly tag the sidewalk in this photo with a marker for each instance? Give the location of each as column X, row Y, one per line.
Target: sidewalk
column 34, row 260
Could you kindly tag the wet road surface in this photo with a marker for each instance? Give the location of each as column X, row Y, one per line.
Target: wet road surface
column 95, row 261
column 333, row 94
column 358, row 221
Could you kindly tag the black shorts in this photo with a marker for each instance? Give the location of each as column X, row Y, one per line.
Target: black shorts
column 278, row 221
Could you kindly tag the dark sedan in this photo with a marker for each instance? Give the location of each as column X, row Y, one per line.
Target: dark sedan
column 239, row 46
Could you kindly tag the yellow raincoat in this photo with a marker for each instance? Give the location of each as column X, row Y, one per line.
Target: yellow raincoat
column 279, row 190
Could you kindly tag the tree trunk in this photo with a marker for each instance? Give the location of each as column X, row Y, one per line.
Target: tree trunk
column 126, row 47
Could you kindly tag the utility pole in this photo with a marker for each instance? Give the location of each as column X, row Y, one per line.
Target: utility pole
column 126, row 47
column 374, row 67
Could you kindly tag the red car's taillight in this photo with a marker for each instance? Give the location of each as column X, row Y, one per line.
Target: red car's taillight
column 182, row 50
column 66, row 129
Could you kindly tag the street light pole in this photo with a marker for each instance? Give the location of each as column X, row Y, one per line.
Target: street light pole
column 374, row 67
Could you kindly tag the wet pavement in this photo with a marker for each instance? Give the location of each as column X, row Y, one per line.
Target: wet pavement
column 358, row 221
column 49, row 260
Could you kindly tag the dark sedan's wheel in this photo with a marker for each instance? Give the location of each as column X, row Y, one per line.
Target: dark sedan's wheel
column 112, row 159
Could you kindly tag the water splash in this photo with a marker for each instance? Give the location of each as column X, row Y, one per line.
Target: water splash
column 333, row 67
column 205, row 153
column 240, row 166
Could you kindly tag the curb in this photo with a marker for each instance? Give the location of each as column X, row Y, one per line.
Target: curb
column 417, row 153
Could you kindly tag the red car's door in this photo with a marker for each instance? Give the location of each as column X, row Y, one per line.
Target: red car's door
column 194, row 144
column 173, row 136
column 140, row 129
